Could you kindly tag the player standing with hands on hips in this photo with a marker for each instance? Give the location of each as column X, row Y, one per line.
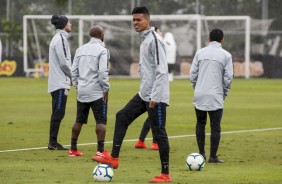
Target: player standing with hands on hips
column 211, row 75
column 152, row 98
column 90, row 78
column 59, row 80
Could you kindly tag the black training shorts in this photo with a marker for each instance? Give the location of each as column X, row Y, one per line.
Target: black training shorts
column 99, row 109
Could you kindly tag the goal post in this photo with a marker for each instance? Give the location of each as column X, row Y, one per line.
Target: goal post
column 190, row 32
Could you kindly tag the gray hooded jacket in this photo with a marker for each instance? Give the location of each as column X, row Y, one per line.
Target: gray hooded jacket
column 211, row 75
column 59, row 62
column 90, row 71
column 153, row 68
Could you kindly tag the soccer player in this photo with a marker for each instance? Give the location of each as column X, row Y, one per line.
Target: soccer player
column 90, row 78
column 59, row 80
column 152, row 98
column 147, row 124
column 0, row 53
column 211, row 75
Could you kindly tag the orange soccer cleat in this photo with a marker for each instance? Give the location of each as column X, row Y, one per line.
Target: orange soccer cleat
column 140, row 144
column 155, row 146
column 74, row 153
column 163, row 178
column 105, row 158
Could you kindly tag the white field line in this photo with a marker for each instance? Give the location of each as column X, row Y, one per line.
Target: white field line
column 170, row 137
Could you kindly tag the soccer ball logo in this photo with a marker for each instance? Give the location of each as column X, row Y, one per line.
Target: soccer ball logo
column 103, row 172
column 195, row 162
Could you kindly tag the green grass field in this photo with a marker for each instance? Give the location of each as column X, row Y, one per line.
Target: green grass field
column 250, row 157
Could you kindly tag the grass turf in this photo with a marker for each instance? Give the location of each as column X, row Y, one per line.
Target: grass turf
column 253, row 157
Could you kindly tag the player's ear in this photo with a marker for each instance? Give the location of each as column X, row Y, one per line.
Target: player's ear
column 148, row 21
column 222, row 40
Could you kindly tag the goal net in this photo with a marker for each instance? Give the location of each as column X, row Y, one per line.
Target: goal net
column 190, row 33
column 237, row 40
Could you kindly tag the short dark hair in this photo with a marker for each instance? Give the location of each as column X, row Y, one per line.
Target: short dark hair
column 216, row 35
column 141, row 10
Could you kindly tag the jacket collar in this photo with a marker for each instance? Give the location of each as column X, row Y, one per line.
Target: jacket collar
column 64, row 33
column 144, row 33
column 93, row 39
column 215, row 44
column 96, row 40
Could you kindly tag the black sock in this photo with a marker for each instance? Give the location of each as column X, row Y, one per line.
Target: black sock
column 116, row 150
column 73, row 144
column 165, row 168
column 101, row 146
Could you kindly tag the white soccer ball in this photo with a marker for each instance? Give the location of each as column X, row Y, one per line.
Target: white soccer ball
column 103, row 172
column 195, row 162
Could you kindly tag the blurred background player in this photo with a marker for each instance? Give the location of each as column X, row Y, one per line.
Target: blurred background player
column 0, row 53
column 170, row 46
column 90, row 78
column 157, row 30
column 211, row 75
column 152, row 98
column 59, row 80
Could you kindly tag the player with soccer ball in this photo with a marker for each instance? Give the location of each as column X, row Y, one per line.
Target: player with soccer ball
column 152, row 98
column 211, row 75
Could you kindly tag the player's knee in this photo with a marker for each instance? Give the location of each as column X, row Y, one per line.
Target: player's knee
column 215, row 131
column 58, row 116
column 201, row 123
column 101, row 127
column 121, row 115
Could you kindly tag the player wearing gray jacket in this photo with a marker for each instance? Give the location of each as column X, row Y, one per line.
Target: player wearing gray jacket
column 211, row 75
column 90, row 78
column 154, row 73
column 152, row 98
column 59, row 80
column 59, row 62
column 90, row 71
